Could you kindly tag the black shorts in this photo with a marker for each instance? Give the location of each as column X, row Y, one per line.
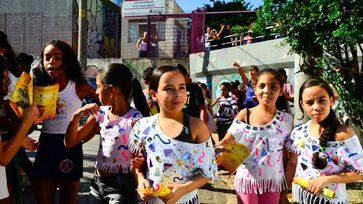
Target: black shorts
column 120, row 188
column 54, row 160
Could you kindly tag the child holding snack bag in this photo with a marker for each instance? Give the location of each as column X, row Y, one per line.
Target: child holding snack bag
column 263, row 129
column 177, row 147
column 10, row 148
column 55, row 165
column 327, row 154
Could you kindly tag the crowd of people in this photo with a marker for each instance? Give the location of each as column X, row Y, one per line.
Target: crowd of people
column 160, row 137
column 225, row 37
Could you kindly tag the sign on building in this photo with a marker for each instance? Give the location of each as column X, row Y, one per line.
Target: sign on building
column 139, row 8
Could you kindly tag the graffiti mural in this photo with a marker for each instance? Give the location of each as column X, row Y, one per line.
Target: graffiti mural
column 111, row 27
column 104, row 25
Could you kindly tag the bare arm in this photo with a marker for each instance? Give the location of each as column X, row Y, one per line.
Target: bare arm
column 74, row 134
column 316, row 184
column 203, row 113
column 216, row 101
column 241, row 72
column 290, row 169
column 8, row 150
column 138, row 44
column 84, row 90
column 228, row 138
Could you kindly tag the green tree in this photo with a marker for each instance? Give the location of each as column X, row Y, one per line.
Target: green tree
column 243, row 19
column 327, row 34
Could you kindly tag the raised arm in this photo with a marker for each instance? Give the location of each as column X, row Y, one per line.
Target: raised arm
column 241, row 72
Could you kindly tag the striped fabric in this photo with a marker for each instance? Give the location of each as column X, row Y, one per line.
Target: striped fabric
column 230, row 108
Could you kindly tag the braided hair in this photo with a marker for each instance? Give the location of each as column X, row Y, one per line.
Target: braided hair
column 330, row 123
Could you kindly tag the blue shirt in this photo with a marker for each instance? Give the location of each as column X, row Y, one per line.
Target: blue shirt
column 249, row 94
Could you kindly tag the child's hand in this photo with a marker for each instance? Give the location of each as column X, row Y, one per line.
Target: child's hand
column 316, row 184
column 220, row 149
column 177, row 191
column 88, row 109
column 30, row 114
column 30, row 144
column 144, row 184
column 138, row 162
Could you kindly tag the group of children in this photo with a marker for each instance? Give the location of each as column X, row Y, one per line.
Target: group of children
column 174, row 150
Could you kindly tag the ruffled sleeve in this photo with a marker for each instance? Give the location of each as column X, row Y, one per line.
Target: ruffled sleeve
column 100, row 115
column 237, row 130
column 351, row 155
column 136, row 139
column 293, row 142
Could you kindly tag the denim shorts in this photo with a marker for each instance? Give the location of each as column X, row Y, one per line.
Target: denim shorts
column 120, row 188
column 54, row 160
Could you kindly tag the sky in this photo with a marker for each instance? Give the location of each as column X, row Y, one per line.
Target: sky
column 190, row 5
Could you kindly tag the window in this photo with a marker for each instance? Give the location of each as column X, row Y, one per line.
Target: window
column 137, row 29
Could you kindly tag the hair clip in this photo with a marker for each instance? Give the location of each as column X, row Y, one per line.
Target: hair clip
column 322, row 149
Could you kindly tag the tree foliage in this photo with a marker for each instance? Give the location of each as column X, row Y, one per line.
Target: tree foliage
column 244, row 19
column 328, row 35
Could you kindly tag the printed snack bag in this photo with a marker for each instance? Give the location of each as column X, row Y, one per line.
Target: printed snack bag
column 233, row 156
column 23, row 94
column 44, row 96
column 46, row 99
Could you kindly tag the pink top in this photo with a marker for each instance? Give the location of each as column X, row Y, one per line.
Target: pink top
column 114, row 152
column 289, row 90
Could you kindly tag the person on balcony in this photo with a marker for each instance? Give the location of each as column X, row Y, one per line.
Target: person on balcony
column 142, row 46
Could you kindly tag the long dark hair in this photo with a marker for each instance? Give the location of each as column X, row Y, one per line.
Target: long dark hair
column 70, row 63
column 281, row 102
column 2, row 77
column 120, row 76
column 330, row 123
column 204, row 86
column 9, row 54
column 157, row 73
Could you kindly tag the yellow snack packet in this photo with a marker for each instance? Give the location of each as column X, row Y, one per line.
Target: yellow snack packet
column 46, row 99
column 233, row 156
column 23, row 94
column 160, row 190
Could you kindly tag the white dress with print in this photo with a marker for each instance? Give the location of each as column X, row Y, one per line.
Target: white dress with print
column 342, row 156
column 263, row 170
column 169, row 160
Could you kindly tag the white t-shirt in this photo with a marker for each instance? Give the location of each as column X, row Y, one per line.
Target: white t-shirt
column 4, row 193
